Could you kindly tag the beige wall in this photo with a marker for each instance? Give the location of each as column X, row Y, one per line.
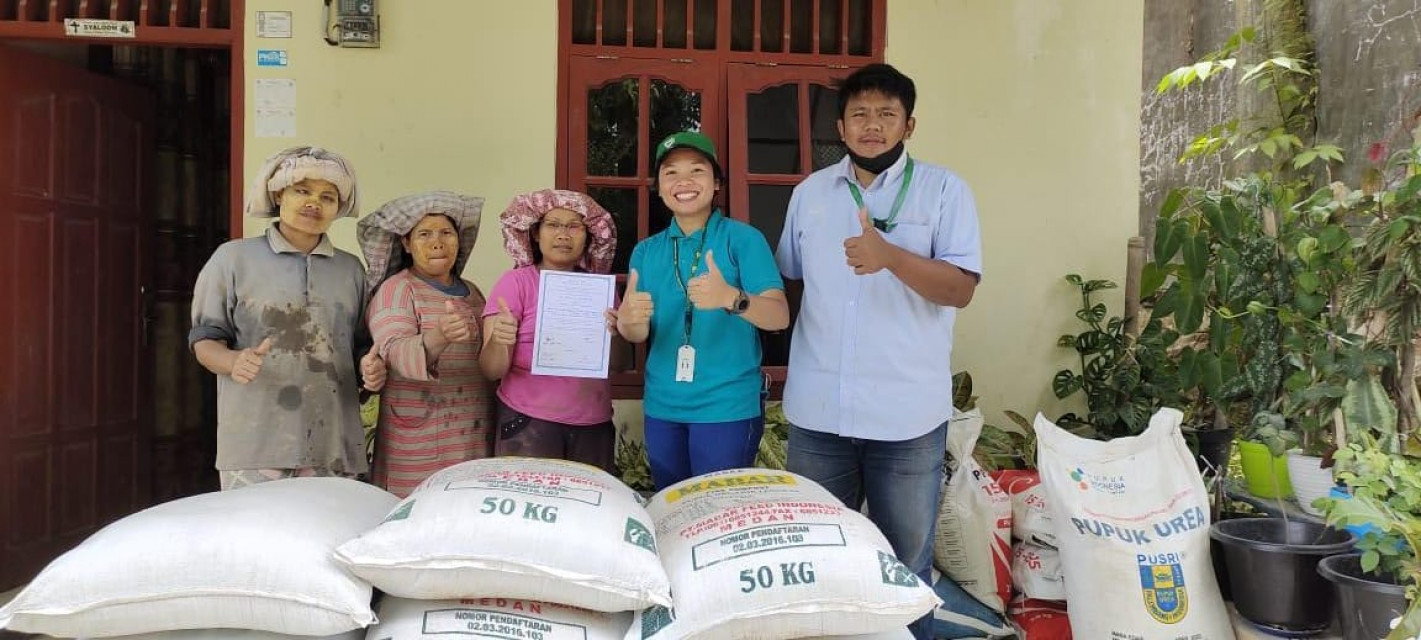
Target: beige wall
column 1034, row 103
column 461, row 95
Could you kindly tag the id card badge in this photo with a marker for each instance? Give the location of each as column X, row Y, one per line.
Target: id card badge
column 686, row 363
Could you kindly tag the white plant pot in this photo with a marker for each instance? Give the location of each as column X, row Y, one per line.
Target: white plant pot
column 1310, row 480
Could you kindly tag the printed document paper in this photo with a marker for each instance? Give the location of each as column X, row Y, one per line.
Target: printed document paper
column 572, row 337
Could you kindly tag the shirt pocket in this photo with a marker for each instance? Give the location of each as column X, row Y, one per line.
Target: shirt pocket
column 406, row 414
column 916, row 238
column 821, row 244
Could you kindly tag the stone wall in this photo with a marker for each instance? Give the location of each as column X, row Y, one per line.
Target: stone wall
column 1369, row 62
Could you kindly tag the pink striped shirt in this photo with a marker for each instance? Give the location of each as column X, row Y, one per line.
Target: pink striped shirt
column 432, row 414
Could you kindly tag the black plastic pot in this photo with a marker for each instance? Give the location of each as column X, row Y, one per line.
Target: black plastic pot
column 1221, row 569
column 1216, row 557
column 1272, row 567
column 1212, row 450
column 1366, row 602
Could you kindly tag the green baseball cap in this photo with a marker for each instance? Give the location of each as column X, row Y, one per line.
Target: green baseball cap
column 689, row 140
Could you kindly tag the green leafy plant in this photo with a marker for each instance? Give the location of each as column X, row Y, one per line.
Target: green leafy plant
column 1271, row 429
column 1386, row 295
column 1251, row 271
column 962, row 398
column 1386, row 494
column 1125, row 379
column 1008, row 447
column 1210, row 258
column 631, row 460
column 1282, row 122
column 774, row 444
column 997, row 447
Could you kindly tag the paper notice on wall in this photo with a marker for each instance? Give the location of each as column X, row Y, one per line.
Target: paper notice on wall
column 273, row 24
column 275, row 102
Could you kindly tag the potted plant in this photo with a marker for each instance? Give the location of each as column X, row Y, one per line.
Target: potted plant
column 1382, row 505
column 1262, row 455
column 1289, row 322
column 1332, row 385
column 1385, row 296
column 1252, row 272
column 1383, row 483
column 1272, row 568
column 1124, row 378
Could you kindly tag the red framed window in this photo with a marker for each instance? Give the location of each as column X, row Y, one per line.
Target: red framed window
column 755, row 75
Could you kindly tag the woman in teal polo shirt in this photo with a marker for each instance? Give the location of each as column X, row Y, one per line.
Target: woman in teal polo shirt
column 713, row 283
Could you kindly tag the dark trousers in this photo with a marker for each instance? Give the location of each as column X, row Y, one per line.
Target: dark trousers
column 523, row 435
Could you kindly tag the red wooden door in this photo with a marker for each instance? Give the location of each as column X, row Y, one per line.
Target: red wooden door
column 74, row 439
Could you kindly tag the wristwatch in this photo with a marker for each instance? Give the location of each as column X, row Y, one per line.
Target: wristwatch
column 742, row 302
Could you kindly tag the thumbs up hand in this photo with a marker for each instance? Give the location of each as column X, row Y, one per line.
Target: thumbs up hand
column 453, row 325
column 248, row 362
column 372, row 371
column 636, row 305
column 504, row 328
column 867, row 252
column 709, row 290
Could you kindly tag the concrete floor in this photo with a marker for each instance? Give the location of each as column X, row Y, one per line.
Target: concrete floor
column 1245, row 631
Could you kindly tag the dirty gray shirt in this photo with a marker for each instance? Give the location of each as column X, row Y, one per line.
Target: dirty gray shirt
column 303, row 409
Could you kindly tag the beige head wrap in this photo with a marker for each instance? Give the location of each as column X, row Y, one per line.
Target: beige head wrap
column 294, row 165
column 380, row 232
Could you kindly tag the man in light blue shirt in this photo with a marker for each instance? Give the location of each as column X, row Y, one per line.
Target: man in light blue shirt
column 888, row 249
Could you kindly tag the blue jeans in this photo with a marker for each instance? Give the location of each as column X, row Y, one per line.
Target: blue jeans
column 902, row 482
column 680, row 450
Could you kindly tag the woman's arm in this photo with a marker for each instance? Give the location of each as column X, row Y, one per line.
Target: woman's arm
column 496, row 356
column 215, row 356
column 394, row 325
column 769, row 310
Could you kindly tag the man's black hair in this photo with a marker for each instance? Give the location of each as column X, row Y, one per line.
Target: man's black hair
column 882, row 78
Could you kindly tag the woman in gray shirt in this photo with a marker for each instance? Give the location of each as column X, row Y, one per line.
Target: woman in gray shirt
column 278, row 318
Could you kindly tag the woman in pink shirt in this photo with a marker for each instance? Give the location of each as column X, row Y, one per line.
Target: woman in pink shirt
column 538, row 415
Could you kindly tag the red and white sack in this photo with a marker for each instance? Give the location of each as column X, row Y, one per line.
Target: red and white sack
column 973, row 543
column 1039, row 619
column 1036, row 571
column 1030, row 514
column 1132, row 520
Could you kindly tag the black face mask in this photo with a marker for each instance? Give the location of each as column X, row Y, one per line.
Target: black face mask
column 880, row 163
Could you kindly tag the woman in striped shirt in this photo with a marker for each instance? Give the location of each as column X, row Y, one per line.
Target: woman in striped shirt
column 435, row 408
